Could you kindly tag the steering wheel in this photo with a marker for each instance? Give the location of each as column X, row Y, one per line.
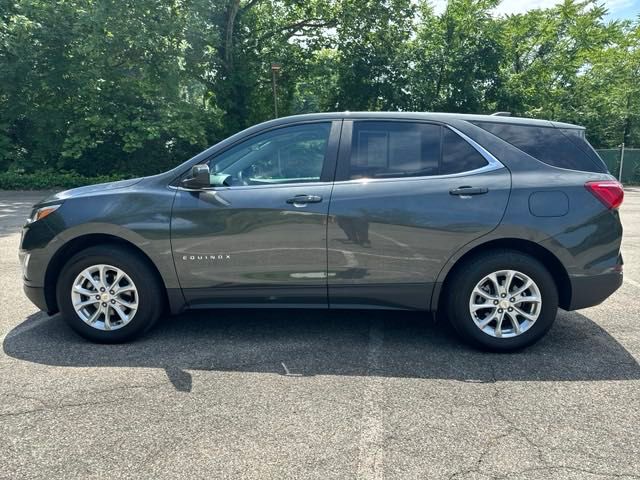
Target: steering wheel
column 241, row 179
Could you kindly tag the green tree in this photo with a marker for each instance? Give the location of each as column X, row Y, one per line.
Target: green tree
column 607, row 94
column 371, row 42
column 456, row 57
column 133, row 87
column 545, row 52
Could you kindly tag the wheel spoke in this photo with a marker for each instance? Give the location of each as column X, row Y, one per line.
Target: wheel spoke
column 83, row 291
column 523, row 288
column 107, row 318
column 526, row 315
column 103, row 275
column 132, row 305
column 89, row 277
column 94, row 317
column 123, row 316
column 482, row 293
column 126, row 288
column 488, row 319
column 480, row 306
column 84, row 303
column 117, row 279
column 528, row 300
column 514, row 322
column 499, row 321
column 507, row 283
column 493, row 278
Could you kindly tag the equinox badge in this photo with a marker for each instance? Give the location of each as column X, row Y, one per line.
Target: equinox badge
column 216, row 257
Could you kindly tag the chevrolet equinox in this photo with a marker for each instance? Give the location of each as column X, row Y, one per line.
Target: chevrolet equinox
column 493, row 221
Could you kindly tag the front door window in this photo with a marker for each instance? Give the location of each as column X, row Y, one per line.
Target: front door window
column 284, row 156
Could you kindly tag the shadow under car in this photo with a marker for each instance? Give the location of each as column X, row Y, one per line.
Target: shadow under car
column 321, row 342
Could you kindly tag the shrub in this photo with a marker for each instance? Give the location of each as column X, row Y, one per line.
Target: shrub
column 43, row 180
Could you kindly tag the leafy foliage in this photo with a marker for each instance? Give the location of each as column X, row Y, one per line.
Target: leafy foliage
column 44, row 180
column 104, row 87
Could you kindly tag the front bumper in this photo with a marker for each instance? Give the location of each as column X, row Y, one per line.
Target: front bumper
column 36, row 295
column 588, row 291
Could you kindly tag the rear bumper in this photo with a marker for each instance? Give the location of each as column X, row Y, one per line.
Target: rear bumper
column 36, row 295
column 587, row 291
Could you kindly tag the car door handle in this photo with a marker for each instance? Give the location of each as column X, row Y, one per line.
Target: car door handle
column 302, row 199
column 462, row 191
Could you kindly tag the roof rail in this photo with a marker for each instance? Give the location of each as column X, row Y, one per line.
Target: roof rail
column 501, row 114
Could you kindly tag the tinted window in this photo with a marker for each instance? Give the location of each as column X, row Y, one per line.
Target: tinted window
column 286, row 155
column 404, row 149
column 578, row 138
column 549, row 145
column 458, row 155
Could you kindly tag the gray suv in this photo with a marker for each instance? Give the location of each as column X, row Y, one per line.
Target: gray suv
column 493, row 221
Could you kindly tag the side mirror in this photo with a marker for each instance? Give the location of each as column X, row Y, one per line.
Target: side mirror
column 199, row 177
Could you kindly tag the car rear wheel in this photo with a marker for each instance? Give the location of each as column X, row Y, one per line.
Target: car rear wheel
column 502, row 300
column 108, row 294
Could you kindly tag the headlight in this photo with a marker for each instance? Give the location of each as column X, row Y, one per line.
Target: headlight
column 43, row 212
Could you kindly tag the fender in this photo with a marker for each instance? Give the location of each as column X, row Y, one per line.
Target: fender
column 499, row 237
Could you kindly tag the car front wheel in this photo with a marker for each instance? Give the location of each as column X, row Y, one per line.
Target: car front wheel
column 108, row 294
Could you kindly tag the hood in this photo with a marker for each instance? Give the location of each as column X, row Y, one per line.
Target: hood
column 91, row 189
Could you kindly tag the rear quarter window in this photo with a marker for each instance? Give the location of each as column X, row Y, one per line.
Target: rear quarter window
column 553, row 146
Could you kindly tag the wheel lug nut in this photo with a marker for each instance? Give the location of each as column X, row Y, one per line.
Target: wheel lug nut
column 512, row 300
column 113, row 301
column 104, row 304
column 511, row 309
column 499, row 310
column 503, row 295
column 102, row 289
column 111, row 292
column 97, row 297
column 495, row 302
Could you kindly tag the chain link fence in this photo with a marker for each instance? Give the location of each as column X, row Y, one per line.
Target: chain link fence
column 630, row 163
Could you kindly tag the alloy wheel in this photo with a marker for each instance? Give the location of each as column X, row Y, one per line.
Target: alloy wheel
column 104, row 297
column 505, row 303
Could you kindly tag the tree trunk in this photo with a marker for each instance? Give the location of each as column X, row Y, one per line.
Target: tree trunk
column 229, row 91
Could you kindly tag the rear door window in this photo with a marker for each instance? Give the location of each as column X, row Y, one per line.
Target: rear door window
column 550, row 145
column 458, row 155
column 406, row 149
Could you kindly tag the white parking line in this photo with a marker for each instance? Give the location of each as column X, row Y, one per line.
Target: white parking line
column 288, row 373
column 371, row 446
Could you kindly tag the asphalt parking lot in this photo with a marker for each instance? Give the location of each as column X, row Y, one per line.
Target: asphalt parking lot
column 304, row 394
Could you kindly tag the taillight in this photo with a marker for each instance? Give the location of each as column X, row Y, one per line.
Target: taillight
column 608, row 192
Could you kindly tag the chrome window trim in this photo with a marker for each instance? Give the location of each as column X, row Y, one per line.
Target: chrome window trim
column 249, row 187
column 492, row 164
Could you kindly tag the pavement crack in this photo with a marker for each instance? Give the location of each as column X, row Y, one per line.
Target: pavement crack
column 61, row 406
column 569, row 468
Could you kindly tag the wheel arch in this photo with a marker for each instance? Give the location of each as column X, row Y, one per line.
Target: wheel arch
column 540, row 253
column 77, row 244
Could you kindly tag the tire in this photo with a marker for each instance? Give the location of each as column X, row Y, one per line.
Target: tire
column 140, row 306
column 524, row 320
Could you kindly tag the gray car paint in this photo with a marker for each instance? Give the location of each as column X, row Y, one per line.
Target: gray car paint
column 433, row 233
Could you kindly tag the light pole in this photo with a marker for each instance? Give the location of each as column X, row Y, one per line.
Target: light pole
column 621, row 162
column 275, row 68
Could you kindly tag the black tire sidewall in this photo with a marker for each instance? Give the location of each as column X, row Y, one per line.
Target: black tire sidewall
column 466, row 279
column 149, row 299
